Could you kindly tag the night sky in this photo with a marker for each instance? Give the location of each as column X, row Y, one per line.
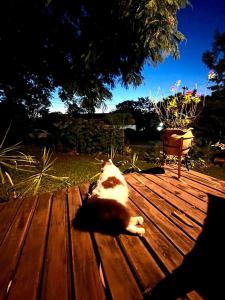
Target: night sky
column 198, row 23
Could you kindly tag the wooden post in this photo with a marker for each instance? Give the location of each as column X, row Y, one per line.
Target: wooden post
column 179, row 165
column 179, row 157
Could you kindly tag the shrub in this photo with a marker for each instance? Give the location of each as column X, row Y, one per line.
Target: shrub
column 88, row 136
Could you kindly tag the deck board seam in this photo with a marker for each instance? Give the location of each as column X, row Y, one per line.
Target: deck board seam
column 161, row 210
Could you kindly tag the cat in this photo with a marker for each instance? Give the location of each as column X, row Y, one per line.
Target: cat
column 106, row 206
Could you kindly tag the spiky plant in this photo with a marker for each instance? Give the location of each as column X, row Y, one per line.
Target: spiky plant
column 12, row 159
column 133, row 161
column 43, row 170
column 113, row 152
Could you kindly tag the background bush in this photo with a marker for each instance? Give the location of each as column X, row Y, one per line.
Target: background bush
column 87, row 136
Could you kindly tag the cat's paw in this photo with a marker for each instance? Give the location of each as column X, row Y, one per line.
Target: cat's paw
column 140, row 220
column 137, row 220
column 141, row 231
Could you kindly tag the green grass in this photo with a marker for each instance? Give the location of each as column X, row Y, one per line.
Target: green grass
column 81, row 168
column 214, row 171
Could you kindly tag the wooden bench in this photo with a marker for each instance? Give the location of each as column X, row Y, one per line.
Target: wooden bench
column 42, row 256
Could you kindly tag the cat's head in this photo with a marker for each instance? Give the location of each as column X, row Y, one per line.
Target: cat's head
column 106, row 163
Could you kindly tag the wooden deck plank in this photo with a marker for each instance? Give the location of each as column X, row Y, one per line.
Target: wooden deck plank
column 166, row 208
column 86, row 278
column 193, row 295
column 164, row 250
column 30, row 263
column 11, row 247
column 172, row 179
column 144, row 266
column 119, row 278
column 195, row 214
column 8, row 212
column 208, row 178
column 56, row 279
column 177, row 236
column 185, row 196
column 201, row 183
column 219, row 183
column 114, row 265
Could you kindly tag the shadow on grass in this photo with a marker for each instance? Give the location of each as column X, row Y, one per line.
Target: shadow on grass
column 203, row 268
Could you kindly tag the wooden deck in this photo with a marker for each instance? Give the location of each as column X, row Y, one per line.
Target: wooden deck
column 43, row 257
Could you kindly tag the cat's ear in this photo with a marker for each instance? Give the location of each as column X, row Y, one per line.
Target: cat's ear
column 110, row 161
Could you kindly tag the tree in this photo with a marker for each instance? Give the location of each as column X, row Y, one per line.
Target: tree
column 211, row 124
column 140, row 110
column 215, row 60
column 81, row 47
column 74, row 110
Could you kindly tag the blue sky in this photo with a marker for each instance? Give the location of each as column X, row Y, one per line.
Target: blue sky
column 198, row 23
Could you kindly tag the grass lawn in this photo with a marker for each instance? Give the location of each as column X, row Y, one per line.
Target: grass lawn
column 214, row 171
column 81, row 168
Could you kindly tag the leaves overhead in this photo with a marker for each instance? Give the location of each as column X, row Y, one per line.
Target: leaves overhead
column 81, row 47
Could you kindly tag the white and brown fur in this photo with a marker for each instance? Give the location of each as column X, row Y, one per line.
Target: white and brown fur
column 106, row 208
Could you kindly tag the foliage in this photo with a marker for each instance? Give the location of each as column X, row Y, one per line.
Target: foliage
column 118, row 121
column 133, row 162
column 74, row 109
column 179, row 110
column 81, row 47
column 87, row 135
column 200, row 156
column 154, row 153
column 140, row 111
column 12, row 159
column 215, row 60
column 211, row 124
column 43, row 171
column 141, row 105
column 113, row 152
column 127, row 150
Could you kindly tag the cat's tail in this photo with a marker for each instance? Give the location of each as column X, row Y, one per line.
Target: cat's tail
column 104, row 215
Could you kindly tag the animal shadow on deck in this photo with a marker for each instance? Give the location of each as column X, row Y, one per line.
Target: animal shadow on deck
column 203, row 268
column 111, row 219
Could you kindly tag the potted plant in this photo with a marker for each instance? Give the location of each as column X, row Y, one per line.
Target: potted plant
column 177, row 113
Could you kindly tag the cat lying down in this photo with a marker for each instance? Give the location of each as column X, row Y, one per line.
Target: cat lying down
column 106, row 207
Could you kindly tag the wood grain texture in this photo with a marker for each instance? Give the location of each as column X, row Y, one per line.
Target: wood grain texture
column 141, row 261
column 194, row 213
column 86, row 278
column 120, row 280
column 43, row 256
column 201, row 183
column 8, row 212
column 12, row 245
column 162, row 206
column 28, row 274
column 56, row 280
column 182, row 194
